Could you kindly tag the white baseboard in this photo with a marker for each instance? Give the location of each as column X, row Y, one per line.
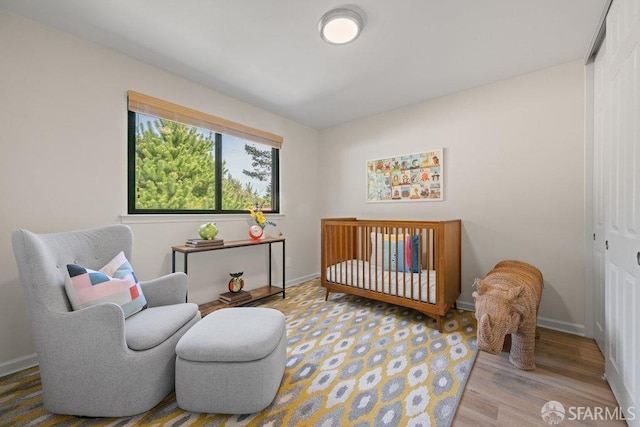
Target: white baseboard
column 15, row 365
column 543, row 322
column 557, row 325
column 302, row 279
column 469, row 306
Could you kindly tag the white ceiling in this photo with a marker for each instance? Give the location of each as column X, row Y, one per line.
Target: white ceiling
column 269, row 53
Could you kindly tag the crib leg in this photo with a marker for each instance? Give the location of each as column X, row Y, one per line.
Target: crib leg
column 439, row 323
column 326, row 297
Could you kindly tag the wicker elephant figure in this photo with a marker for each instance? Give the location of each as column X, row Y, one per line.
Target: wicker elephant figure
column 507, row 302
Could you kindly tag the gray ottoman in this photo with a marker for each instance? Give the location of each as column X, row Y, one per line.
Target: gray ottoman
column 232, row 361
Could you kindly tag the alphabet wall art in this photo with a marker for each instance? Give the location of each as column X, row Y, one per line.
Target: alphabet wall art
column 406, row 178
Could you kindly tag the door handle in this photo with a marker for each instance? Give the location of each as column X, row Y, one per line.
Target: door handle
column 638, row 257
column 606, row 244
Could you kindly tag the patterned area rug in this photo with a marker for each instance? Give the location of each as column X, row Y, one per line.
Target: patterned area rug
column 350, row 361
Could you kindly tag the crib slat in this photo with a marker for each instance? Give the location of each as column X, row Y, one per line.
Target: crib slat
column 405, row 240
column 420, row 251
column 359, row 257
column 412, row 233
column 393, row 233
column 340, row 242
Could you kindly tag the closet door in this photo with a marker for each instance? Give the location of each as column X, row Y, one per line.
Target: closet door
column 622, row 215
column 600, row 132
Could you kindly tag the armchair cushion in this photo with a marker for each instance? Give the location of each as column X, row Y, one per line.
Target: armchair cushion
column 115, row 282
column 153, row 326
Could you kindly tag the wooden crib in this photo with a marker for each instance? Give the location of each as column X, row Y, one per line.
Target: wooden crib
column 413, row 264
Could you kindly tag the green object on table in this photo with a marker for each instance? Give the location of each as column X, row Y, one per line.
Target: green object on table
column 208, row 231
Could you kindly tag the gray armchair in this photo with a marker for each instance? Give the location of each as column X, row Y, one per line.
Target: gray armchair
column 93, row 361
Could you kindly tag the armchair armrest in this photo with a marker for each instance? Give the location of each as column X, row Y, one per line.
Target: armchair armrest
column 165, row 290
column 98, row 329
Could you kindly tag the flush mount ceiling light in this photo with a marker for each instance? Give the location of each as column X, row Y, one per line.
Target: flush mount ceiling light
column 340, row 26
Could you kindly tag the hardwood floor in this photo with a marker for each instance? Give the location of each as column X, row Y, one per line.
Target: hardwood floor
column 569, row 370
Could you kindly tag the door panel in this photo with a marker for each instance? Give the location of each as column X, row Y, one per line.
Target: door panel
column 620, row 175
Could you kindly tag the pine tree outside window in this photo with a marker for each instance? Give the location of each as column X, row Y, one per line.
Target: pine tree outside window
column 185, row 161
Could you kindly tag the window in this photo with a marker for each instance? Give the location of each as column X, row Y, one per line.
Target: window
column 185, row 161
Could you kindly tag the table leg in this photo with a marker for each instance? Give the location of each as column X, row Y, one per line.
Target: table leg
column 185, row 262
column 269, row 264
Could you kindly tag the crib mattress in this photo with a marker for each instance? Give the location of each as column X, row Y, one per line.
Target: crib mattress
column 357, row 273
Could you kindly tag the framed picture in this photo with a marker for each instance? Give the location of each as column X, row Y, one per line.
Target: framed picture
column 406, row 178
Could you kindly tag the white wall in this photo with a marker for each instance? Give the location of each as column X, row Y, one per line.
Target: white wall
column 63, row 166
column 513, row 161
column 513, row 157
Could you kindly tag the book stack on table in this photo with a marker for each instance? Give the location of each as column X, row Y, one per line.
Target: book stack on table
column 203, row 243
column 235, row 297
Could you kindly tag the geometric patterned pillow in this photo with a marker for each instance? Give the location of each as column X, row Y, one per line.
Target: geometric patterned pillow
column 115, row 282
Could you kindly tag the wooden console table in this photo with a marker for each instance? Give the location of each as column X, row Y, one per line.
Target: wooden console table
column 256, row 294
